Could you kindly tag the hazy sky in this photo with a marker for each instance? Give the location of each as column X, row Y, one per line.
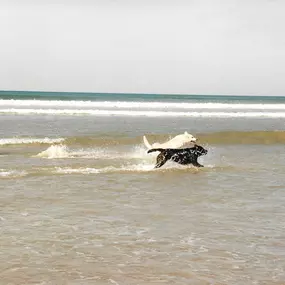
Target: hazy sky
column 143, row 46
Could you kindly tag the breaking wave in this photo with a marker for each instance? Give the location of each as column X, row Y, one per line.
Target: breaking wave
column 140, row 105
column 143, row 113
column 101, row 143
column 226, row 137
column 55, row 151
column 143, row 108
column 102, row 146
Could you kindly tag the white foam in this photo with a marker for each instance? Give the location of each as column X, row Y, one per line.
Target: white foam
column 11, row 141
column 139, row 105
column 55, row 151
column 142, row 167
column 4, row 173
column 139, row 152
column 144, row 113
column 81, row 170
column 109, row 169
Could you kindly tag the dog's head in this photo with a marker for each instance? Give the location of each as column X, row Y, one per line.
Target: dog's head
column 199, row 150
column 189, row 138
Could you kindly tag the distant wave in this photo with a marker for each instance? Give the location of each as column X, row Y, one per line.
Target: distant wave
column 226, row 137
column 143, row 113
column 109, row 147
column 139, row 105
column 251, row 137
column 13, row 141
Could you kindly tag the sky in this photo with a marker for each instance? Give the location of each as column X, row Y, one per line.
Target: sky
column 226, row 47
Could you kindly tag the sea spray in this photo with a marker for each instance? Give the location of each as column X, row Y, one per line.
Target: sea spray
column 55, row 151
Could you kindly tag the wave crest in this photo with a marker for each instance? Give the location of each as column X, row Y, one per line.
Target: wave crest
column 141, row 105
column 143, row 113
column 226, row 137
column 55, row 151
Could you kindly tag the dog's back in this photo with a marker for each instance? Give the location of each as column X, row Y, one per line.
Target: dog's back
column 182, row 156
column 178, row 141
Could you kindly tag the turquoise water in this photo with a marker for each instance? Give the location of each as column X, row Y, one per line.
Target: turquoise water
column 134, row 97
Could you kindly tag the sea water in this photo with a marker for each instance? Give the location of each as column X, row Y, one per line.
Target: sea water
column 82, row 204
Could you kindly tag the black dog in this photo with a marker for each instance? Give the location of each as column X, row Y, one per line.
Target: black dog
column 182, row 156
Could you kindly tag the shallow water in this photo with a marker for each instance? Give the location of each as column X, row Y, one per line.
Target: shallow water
column 82, row 204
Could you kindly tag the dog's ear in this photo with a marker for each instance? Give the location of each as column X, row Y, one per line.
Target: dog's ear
column 185, row 133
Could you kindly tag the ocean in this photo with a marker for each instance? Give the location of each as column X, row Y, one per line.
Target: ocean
column 82, row 204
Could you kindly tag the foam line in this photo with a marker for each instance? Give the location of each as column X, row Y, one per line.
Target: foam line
column 139, row 105
column 144, row 113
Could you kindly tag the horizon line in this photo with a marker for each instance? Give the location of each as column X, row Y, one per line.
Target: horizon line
column 133, row 93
